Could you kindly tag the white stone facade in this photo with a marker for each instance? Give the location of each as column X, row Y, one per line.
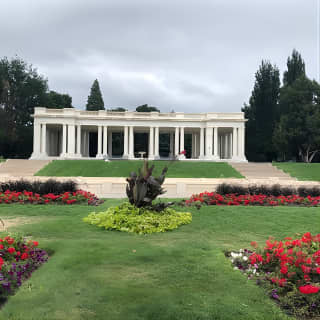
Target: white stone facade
column 78, row 134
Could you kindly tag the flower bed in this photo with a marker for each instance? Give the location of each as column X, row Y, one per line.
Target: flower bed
column 18, row 259
column 129, row 218
column 25, row 197
column 288, row 269
column 212, row 198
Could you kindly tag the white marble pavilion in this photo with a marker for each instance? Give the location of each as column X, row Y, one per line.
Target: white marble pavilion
column 77, row 134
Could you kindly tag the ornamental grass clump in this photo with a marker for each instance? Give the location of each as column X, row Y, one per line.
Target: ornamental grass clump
column 288, row 269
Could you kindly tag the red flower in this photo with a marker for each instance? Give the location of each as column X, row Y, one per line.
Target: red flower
column 308, row 289
column 10, row 241
column 284, row 270
column 24, row 256
column 1, row 246
column 35, row 243
column 282, row 282
column 11, row 250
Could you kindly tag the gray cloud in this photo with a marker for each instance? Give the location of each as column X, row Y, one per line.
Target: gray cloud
column 195, row 55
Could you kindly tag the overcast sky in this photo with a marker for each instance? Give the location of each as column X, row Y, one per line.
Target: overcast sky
column 188, row 56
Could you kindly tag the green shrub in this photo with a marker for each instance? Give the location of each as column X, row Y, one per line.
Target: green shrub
column 129, row 218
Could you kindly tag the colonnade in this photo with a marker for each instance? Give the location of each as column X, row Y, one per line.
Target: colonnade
column 207, row 142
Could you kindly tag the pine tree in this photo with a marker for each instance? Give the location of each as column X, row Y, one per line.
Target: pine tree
column 95, row 100
column 261, row 113
column 296, row 68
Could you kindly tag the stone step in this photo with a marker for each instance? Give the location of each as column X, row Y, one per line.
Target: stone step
column 19, row 167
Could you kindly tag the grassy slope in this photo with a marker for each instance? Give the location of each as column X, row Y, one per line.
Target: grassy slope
column 301, row 171
column 120, row 168
column 95, row 274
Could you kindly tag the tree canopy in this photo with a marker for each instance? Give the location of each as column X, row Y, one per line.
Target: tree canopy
column 261, row 113
column 58, row 101
column 147, row 108
column 21, row 90
column 118, row 109
column 297, row 134
column 295, row 68
column 95, row 100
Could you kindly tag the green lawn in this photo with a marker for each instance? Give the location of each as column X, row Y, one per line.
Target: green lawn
column 98, row 274
column 122, row 168
column 301, row 171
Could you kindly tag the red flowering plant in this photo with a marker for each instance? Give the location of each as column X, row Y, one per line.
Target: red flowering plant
column 289, row 269
column 19, row 257
column 77, row 197
column 212, row 198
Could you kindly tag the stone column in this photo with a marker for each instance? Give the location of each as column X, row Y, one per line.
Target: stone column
column 176, row 142
column 156, row 143
column 151, row 144
column 131, row 143
column 226, row 155
column 99, row 151
column 198, row 145
column 209, row 133
column 36, row 140
column 215, row 143
column 243, row 132
column 125, row 142
column 64, row 140
column 71, row 141
column 105, row 143
column 234, row 144
column 44, row 140
column 78, row 140
column 201, row 156
column 230, row 145
column 110, row 143
column 181, row 139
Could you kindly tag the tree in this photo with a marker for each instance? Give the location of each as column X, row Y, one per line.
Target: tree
column 95, row 100
column 21, row 90
column 118, row 109
column 146, row 108
column 58, row 101
column 297, row 133
column 296, row 68
column 261, row 113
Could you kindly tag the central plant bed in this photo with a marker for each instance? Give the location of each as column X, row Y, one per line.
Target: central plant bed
column 140, row 214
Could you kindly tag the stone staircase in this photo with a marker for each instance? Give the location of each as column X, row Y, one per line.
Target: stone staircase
column 257, row 170
column 21, row 168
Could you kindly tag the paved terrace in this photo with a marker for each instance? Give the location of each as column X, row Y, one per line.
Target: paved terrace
column 176, row 187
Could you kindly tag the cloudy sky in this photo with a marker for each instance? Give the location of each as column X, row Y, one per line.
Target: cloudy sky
column 190, row 55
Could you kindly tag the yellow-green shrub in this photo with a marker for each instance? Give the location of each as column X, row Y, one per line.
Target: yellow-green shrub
column 129, row 218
